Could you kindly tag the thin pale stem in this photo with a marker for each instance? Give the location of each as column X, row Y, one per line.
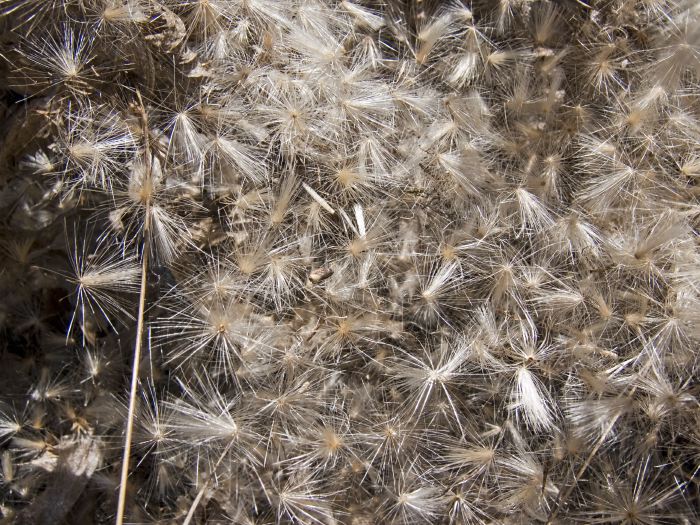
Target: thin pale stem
column 121, row 502
column 132, row 392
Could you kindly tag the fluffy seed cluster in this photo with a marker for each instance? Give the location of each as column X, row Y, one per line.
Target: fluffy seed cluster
column 392, row 262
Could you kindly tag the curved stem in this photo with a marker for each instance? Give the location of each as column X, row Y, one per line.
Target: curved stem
column 132, row 392
column 121, row 502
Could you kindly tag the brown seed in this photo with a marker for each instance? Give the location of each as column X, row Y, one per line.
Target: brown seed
column 320, row 274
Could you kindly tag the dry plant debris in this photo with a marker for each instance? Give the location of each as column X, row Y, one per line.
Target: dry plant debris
column 349, row 262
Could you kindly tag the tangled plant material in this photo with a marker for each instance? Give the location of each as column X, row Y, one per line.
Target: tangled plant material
column 349, row 262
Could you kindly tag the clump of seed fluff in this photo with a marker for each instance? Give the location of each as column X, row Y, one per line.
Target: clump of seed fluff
column 351, row 262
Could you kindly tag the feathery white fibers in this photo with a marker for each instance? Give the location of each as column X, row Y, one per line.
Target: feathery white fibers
column 101, row 279
column 425, row 377
column 148, row 193
column 363, row 15
column 412, row 500
column 116, row 13
column 525, row 485
column 678, row 52
column 209, row 420
column 299, row 498
column 222, row 152
column 437, row 290
column 531, row 400
column 11, row 422
column 184, row 136
column 214, row 331
column 431, row 33
column 641, row 499
column 58, row 62
column 322, row 447
column 402, row 262
column 97, row 145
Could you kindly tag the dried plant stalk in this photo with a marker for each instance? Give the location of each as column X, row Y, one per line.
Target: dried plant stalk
column 135, row 365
